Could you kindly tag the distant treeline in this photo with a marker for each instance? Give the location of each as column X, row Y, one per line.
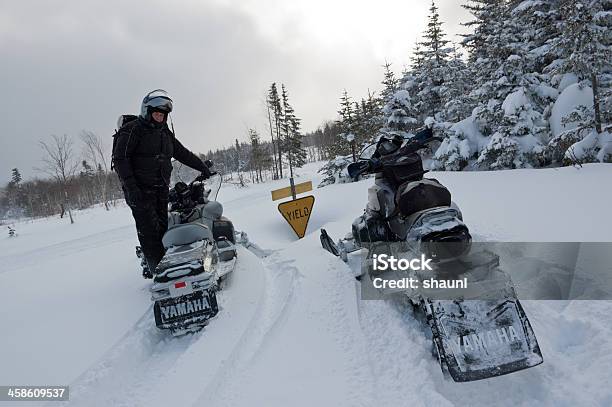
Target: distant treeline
column 73, row 180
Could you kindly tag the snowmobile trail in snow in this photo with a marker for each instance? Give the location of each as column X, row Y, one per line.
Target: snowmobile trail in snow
column 305, row 335
column 400, row 354
column 269, row 313
column 145, row 363
column 122, row 374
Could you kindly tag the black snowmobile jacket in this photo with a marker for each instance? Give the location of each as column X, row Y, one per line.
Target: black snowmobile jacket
column 143, row 152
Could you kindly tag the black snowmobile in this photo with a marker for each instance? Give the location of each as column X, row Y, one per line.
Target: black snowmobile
column 477, row 333
column 200, row 251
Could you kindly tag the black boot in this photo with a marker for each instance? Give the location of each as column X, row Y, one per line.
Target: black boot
column 144, row 264
column 148, row 268
column 146, row 273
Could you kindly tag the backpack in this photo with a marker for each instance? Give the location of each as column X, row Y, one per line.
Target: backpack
column 122, row 121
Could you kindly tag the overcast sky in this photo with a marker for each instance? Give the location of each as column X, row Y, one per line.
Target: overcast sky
column 70, row 65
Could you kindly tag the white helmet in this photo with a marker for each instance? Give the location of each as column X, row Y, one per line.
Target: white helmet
column 155, row 101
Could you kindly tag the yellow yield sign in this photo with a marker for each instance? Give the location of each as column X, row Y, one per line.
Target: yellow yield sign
column 286, row 192
column 297, row 212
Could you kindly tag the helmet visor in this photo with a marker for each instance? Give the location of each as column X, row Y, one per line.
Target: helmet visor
column 158, row 100
column 161, row 104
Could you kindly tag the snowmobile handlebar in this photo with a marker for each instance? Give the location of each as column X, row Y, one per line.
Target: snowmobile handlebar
column 202, row 177
column 419, row 144
column 184, row 197
column 375, row 164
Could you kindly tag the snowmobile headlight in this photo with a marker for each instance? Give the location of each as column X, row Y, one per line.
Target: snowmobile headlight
column 207, row 263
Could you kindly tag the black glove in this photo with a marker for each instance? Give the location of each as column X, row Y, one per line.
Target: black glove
column 133, row 193
column 135, row 196
column 206, row 171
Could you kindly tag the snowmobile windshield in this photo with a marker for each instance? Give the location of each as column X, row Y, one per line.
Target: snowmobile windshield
column 367, row 152
column 384, row 145
column 387, row 147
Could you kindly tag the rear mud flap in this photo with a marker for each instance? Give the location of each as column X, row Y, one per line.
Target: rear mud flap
column 187, row 313
column 479, row 339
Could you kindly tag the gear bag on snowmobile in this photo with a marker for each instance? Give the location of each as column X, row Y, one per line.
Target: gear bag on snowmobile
column 415, row 196
column 122, row 121
column 407, row 168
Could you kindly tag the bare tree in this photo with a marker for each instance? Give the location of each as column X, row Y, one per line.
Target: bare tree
column 59, row 162
column 95, row 151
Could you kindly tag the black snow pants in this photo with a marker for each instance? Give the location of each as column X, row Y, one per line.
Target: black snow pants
column 151, row 216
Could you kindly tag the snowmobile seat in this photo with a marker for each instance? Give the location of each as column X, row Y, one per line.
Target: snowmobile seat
column 223, row 228
column 185, row 234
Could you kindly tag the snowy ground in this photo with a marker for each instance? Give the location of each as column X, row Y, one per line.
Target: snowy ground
column 292, row 330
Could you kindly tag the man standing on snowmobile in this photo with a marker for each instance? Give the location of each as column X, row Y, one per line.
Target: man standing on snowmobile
column 141, row 156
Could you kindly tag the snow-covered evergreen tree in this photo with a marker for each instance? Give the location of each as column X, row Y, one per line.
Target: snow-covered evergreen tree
column 455, row 89
column 584, row 49
column 437, row 86
column 426, row 80
column 511, row 95
column 400, row 114
column 367, row 120
column 390, row 83
column 335, row 172
column 292, row 137
column 15, row 177
column 14, row 193
column 345, row 123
